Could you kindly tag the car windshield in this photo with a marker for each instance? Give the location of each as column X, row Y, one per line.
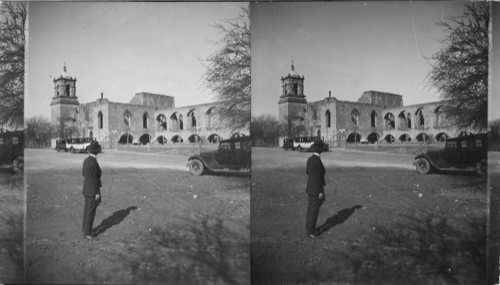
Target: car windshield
column 451, row 144
column 225, row 146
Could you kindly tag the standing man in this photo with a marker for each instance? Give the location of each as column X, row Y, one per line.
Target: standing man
column 315, row 188
column 91, row 189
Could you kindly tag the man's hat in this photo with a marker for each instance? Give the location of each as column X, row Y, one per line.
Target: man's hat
column 94, row 147
column 318, row 146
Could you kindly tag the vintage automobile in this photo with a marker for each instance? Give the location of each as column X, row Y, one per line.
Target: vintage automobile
column 463, row 153
column 302, row 144
column 12, row 150
column 61, row 145
column 232, row 154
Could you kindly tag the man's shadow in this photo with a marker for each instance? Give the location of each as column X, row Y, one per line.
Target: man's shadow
column 113, row 220
column 336, row 219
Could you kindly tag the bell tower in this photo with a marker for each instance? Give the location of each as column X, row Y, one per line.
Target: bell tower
column 292, row 102
column 64, row 103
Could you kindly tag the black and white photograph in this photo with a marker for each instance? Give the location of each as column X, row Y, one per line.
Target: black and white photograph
column 370, row 139
column 137, row 152
column 264, row 142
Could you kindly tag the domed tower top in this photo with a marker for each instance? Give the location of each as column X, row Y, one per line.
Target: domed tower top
column 65, row 85
column 293, row 86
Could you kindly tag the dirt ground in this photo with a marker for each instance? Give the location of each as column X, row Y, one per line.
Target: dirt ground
column 382, row 222
column 156, row 224
column 11, row 227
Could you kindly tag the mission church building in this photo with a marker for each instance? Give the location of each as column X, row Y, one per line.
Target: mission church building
column 375, row 117
column 147, row 118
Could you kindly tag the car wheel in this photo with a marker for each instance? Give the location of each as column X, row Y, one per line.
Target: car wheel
column 481, row 167
column 423, row 166
column 58, row 149
column 72, row 150
column 300, row 149
column 286, row 149
column 18, row 165
column 196, row 167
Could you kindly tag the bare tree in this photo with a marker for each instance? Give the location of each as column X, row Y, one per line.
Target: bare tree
column 38, row 132
column 228, row 71
column 460, row 68
column 494, row 135
column 265, row 130
column 12, row 39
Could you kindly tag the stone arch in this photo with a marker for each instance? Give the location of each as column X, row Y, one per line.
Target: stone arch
column 373, row 137
column 295, row 88
column 373, row 119
column 389, row 121
column 100, row 120
column 161, row 122
column 145, row 139
column 353, row 137
column 438, row 114
column 355, row 116
column 328, row 118
column 441, row 137
column 124, row 139
column 67, row 90
column 404, row 138
column 214, row 138
column 191, row 118
column 145, row 120
column 389, row 138
column 127, row 118
column 209, row 114
column 422, row 137
column 194, row 138
column 402, row 120
column 419, row 118
column 176, row 139
column 174, row 121
column 181, row 122
column 161, row 140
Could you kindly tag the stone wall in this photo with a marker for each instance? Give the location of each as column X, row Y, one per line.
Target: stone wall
column 153, row 100
column 384, row 99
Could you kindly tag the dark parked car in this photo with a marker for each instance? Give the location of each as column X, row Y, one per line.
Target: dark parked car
column 61, row 145
column 468, row 152
column 12, row 150
column 288, row 144
column 231, row 154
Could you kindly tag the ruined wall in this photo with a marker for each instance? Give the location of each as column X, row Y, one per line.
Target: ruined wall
column 317, row 121
column 386, row 100
column 434, row 121
column 207, row 123
column 158, row 101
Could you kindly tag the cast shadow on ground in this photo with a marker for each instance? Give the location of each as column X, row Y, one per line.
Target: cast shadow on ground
column 336, row 219
column 191, row 251
column 113, row 220
column 229, row 173
column 12, row 239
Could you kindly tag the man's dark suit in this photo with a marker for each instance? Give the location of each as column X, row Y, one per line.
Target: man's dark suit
column 315, row 185
column 91, row 186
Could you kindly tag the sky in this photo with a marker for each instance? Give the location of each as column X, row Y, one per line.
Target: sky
column 346, row 47
column 121, row 49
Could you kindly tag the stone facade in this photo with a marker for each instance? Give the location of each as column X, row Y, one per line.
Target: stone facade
column 147, row 118
column 375, row 117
